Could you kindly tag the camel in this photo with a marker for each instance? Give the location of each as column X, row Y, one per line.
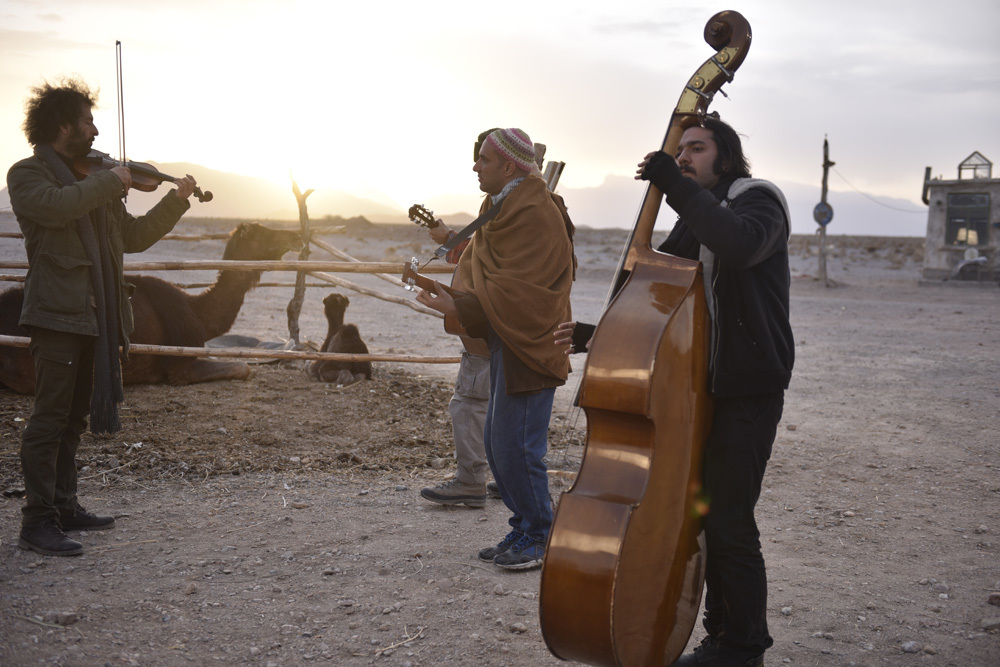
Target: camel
column 167, row 315
column 343, row 338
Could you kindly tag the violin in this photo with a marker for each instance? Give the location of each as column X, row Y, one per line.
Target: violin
column 625, row 562
column 145, row 177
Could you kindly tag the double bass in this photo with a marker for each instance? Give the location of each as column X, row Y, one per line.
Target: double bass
column 624, row 566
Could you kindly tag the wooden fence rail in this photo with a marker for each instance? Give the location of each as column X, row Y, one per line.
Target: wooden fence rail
column 321, row 270
column 256, row 353
column 211, row 236
column 279, row 265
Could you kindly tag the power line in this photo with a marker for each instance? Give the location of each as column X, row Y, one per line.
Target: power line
column 867, row 196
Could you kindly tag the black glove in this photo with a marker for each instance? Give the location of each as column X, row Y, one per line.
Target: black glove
column 582, row 333
column 662, row 171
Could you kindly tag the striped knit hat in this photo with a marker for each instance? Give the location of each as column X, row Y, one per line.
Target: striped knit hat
column 514, row 145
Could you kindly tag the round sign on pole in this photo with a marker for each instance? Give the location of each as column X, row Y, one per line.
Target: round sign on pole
column 823, row 213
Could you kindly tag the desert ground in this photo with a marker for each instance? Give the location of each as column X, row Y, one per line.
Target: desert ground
column 277, row 521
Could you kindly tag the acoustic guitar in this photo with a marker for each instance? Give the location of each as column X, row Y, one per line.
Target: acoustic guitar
column 425, row 218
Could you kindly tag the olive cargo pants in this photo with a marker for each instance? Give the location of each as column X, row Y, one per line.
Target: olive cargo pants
column 64, row 370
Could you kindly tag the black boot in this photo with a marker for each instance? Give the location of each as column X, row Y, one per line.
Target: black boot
column 48, row 538
column 709, row 653
column 78, row 518
column 704, row 653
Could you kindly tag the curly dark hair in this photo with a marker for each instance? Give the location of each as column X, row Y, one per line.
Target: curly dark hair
column 51, row 106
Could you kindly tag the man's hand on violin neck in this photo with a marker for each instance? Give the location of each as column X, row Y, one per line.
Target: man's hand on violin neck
column 185, row 186
column 125, row 176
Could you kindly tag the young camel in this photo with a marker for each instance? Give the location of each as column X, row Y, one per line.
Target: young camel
column 343, row 338
column 167, row 315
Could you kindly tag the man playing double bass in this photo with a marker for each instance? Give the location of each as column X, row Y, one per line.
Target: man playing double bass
column 738, row 227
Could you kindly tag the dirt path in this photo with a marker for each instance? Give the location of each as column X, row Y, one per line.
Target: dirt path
column 278, row 522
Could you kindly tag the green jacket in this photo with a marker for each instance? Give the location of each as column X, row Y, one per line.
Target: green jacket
column 57, row 290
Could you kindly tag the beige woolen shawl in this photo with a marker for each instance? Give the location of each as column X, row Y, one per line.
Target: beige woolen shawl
column 520, row 268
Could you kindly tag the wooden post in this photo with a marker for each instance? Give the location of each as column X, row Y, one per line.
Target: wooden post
column 295, row 305
column 824, row 213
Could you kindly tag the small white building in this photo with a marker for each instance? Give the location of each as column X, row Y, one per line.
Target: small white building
column 963, row 223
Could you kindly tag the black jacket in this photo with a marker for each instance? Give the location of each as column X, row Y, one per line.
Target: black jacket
column 753, row 350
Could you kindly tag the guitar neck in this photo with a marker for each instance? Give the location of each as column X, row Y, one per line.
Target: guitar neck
column 425, row 283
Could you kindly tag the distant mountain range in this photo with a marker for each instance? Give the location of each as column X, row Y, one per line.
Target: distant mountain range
column 614, row 204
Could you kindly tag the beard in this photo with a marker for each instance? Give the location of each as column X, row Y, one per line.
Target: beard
column 78, row 144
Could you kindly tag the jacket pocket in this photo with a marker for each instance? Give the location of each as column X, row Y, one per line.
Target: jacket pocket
column 61, row 357
column 65, row 287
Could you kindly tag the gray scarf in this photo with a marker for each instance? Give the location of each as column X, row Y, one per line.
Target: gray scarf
column 93, row 232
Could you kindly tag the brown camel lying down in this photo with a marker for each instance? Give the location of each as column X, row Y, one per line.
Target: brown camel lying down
column 343, row 338
column 167, row 315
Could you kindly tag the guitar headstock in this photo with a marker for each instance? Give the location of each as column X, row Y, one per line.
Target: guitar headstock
column 412, row 280
column 410, row 276
column 422, row 216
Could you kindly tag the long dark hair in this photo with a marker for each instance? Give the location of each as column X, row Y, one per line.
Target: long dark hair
column 50, row 106
column 730, row 162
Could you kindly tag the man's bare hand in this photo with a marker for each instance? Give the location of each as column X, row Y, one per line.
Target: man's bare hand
column 439, row 300
column 125, row 176
column 440, row 233
column 563, row 335
column 185, row 186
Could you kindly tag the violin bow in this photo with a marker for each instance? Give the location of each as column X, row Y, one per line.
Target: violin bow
column 121, row 106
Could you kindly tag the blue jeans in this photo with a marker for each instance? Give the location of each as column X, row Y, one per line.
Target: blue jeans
column 516, row 439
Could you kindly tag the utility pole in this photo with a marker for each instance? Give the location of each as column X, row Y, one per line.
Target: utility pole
column 823, row 213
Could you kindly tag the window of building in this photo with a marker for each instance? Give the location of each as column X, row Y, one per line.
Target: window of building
column 968, row 221
column 976, row 167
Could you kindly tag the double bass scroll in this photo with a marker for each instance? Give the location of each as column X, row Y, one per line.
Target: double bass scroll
column 624, row 565
column 729, row 33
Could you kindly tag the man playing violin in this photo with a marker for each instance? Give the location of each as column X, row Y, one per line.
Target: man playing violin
column 738, row 227
column 518, row 270
column 76, row 302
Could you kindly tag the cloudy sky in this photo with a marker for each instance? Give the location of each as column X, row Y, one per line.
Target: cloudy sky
column 384, row 100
